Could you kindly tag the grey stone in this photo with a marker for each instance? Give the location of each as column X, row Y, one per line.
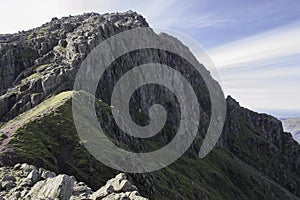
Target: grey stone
column 14, row 196
column 102, row 192
column 7, row 185
column 25, row 86
column 8, row 178
column 47, row 174
column 60, row 187
column 117, row 188
column 63, row 43
column 36, row 98
column 17, row 166
column 121, row 184
column 27, row 168
column 49, row 83
column 34, row 176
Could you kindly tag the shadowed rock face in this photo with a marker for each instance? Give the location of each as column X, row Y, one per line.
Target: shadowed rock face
column 44, row 60
column 259, row 140
column 254, row 158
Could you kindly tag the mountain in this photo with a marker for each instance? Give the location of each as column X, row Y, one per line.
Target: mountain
column 254, row 158
column 292, row 125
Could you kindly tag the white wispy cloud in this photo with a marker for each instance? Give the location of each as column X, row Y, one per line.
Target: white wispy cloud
column 284, row 41
column 193, row 22
column 263, row 71
column 164, row 14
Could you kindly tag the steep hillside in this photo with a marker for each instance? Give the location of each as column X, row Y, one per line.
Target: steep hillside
column 254, row 158
column 247, row 166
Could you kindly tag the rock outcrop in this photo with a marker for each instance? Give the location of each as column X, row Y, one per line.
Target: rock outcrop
column 44, row 60
column 117, row 188
column 26, row 182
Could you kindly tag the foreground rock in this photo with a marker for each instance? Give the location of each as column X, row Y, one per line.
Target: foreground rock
column 117, row 188
column 25, row 181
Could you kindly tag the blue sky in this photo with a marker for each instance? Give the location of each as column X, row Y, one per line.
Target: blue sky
column 254, row 44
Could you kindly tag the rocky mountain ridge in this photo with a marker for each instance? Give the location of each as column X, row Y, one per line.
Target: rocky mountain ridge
column 44, row 60
column 254, row 158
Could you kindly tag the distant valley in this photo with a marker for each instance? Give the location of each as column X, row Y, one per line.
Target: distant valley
column 292, row 125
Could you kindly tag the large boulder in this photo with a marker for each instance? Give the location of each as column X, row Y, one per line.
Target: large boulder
column 60, row 187
column 118, row 188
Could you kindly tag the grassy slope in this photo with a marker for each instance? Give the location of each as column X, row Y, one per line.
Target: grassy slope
column 51, row 141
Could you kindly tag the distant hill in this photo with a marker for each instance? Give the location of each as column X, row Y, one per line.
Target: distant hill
column 292, row 125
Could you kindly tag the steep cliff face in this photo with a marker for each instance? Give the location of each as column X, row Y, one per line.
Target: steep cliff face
column 259, row 140
column 254, row 159
column 44, row 60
